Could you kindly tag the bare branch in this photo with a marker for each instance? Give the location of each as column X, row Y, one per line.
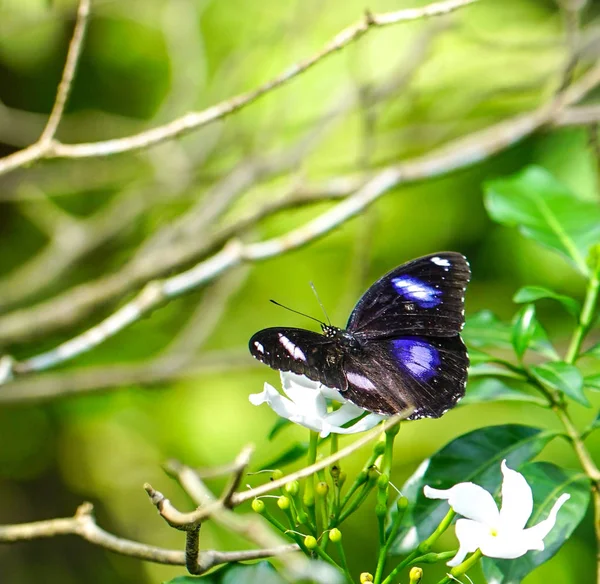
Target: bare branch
column 251, row 528
column 41, row 388
column 64, row 87
column 195, row 120
column 84, row 525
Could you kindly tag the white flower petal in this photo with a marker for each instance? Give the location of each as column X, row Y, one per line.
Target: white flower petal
column 289, row 379
column 286, row 408
column 469, row 534
column 344, row 414
column 506, row 545
column 538, row 532
column 265, row 396
column 469, row 500
column 364, row 424
column 517, row 500
column 309, row 401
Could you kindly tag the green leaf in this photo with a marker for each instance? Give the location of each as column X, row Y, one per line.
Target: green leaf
column 493, row 390
column 592, row 427
column 484, row 329
column 475, row 457
column 548, row 482
column 532, row 293
column 593, row 351
column 547, row 211
column 523, row 329
column 562, row 377
column 476, row 357
column 279, row 425
column 408, row 539
column 291, row 454
column 592, row 381
column 493, row 370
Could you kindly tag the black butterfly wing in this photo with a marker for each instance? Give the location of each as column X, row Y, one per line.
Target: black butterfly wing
column 428, row 374
column 303, row 352
column 422, row 297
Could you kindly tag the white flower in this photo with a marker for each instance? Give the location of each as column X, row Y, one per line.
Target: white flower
column 307, row 404
column 498, row 534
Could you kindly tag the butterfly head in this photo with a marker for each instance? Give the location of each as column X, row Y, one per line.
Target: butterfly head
column 345, row 337
column 330, row 331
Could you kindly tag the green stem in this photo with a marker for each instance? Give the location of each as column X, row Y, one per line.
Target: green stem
column 586, row 319
column 358, row 501
column 461, row 569
column 391, row 536
column 343, row 562
column 361, row 478
column 334, row 443
column 309, row 485
column 423, row 548
column 559, row 407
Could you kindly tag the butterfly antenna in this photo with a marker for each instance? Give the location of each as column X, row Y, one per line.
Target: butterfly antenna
column 296, row 311
column 320, row 303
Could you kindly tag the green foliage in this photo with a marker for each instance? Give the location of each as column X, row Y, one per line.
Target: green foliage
column 489, row 389
column 291, row 454
column 523, row 329
column 562, row 377
column 545, row 211
column 532, row 293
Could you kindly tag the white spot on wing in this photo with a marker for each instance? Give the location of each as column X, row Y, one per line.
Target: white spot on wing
column 295, row 351
column 259, row 347
column 359, row 380
column 440, row 261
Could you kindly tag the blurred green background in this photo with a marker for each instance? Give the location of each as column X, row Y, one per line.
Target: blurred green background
column 397, row 93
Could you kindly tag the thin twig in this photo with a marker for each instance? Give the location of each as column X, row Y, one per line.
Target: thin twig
column 195, row 120
column 66, row 83
column 84, row 525
column 50, row 386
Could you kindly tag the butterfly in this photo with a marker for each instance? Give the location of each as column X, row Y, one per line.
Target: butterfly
column 400, row 349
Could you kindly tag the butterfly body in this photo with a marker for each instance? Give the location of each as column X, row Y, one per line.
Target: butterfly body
column 401, row 347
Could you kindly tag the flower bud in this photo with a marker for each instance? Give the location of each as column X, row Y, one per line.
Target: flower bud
column 308, row 499
column 342, row 479
column 380, row 510
column 283, row 503
column 393, row 430
column 379, row 448
column 402, row 503
column 310, row 542
column 258, row 506
column 383, row 481
column 415, row 575
column 335, row 535
column 373, row 474
column 365, row 578
column 322, row 488
column 334, row 471
column 292, row 488
column 276, row 474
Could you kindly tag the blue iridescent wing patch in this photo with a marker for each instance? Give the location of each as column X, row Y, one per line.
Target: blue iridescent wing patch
column 422, row 297
column 414, row 290
column 419, row 357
